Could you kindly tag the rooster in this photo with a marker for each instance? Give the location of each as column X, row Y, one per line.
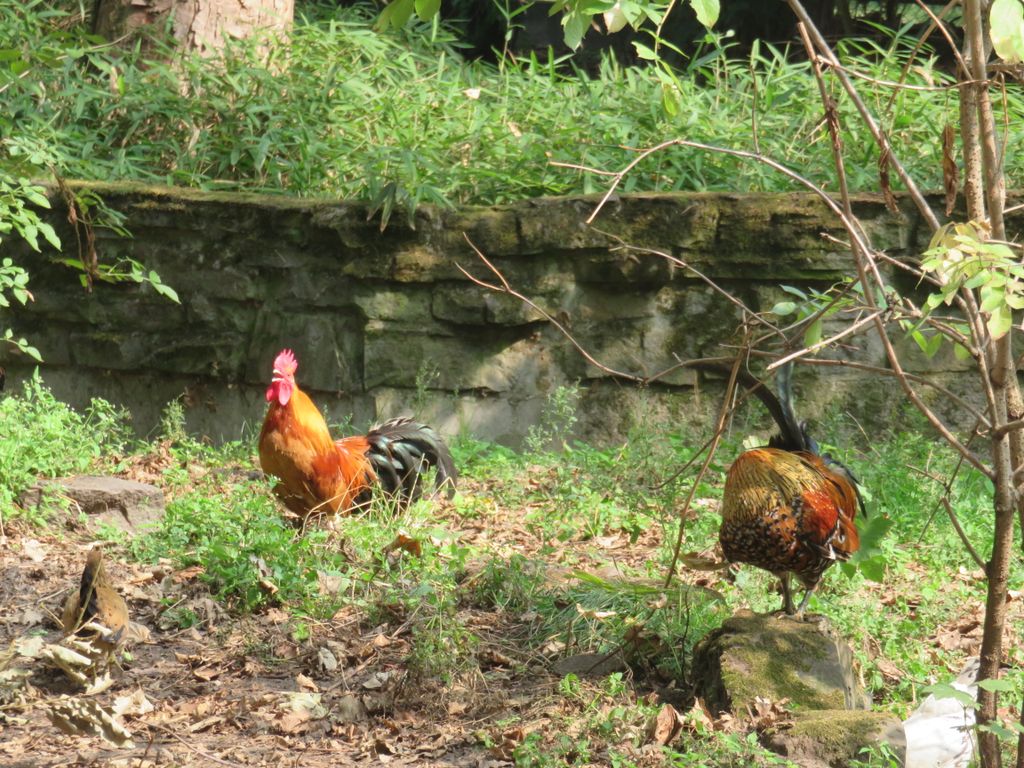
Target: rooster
column 320, row 475
column 788, row 508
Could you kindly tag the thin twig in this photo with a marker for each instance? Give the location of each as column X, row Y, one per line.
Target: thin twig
column 505, row 287
column 869, row 120
column 723, row 416
column 818, row 346
column 963, row 536
column 194, row 748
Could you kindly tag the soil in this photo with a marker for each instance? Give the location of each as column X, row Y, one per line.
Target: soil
column 245, row 691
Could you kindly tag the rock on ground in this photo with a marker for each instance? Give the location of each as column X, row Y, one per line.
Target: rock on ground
column 125, row 504
column 753, row 657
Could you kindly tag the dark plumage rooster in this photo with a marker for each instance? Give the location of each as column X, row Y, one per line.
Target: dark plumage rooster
column 786, row 507
column 319, row 475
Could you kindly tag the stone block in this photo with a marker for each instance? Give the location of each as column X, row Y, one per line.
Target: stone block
column 830, row 738
column 777, row 658
column 405, row 303
column 125, row 504
column 492, row 230
column 495, row 362
column 329, row 348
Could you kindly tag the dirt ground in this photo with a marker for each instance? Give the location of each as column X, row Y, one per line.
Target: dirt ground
column 244, row 691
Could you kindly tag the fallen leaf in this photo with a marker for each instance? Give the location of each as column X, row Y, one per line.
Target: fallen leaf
column 133, row 705
column 376, row 680
column 326, row 660
column 35, row 550
column 187, row 574
column 86, row 717
column 405, row 543
column 666, row 725
column 510, row 739
column 306, row 683
column 30, row 616
column 276, row 616
column 299, row 709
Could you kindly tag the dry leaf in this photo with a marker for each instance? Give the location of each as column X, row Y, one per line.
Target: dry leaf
column 85, row 717
column 699, row 562
column 405, row 543
column 133, row 705
column 884, row 160
column 187, row 574
column 666, row 725
column 376, row 681
column 35, row 550
column 326, row 660
column 592, row 614
column 306, row 683
column 510, row 739
column 299, row 709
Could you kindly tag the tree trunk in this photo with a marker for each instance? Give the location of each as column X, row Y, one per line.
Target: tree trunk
column 201, row 25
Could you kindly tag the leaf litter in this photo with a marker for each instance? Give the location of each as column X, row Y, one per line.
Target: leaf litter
column 243, row 691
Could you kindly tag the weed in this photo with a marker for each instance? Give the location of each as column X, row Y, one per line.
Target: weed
column 400, row 120
column 557, row 419
column 42, row 437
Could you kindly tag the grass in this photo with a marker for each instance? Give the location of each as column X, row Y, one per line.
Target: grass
column 544, row 554
column 401, row 119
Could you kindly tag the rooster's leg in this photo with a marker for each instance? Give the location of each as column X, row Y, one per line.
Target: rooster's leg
column 787, row 594
column 805, row 601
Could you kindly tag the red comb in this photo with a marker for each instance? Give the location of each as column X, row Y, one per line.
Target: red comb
column 285, row 362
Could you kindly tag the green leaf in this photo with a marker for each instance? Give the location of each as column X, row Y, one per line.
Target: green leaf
column 999, row 730
column 961, row 352
column 979, row 279
column 946, row 691
column 783, row 308
column 706, row 10
column 1007, row 30
column 47, row 232
column 933, row 345
column 644, row 52
column 427, row 9
column 575, row 25
column 261, row 152
column 873, row 569
column 813, row 333
column 395, row 15
column 1002, row 685
column 669, row 99
column 167, row 292
column 1000, row 322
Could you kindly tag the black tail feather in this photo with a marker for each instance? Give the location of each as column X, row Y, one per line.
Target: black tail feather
column 401, row 450
column 792, row 434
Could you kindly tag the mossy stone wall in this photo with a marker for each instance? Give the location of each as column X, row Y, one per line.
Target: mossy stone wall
column 385, row 322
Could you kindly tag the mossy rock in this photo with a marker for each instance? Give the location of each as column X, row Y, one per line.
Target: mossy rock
column 777, row 658
column 827, row 738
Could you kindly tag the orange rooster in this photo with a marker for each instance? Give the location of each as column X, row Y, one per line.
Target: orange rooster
column 786, row 507
column 318, row 475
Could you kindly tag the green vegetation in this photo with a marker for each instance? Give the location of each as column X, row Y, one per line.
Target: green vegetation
column 41, row 437
column 400, row 118
column 564, row 553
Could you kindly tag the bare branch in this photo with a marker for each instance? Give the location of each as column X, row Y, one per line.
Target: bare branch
column 723, row 416
column 869, row 120
column 814, row 348
column 963, row 536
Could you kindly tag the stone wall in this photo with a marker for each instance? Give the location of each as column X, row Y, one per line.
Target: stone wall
column 384, row 322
